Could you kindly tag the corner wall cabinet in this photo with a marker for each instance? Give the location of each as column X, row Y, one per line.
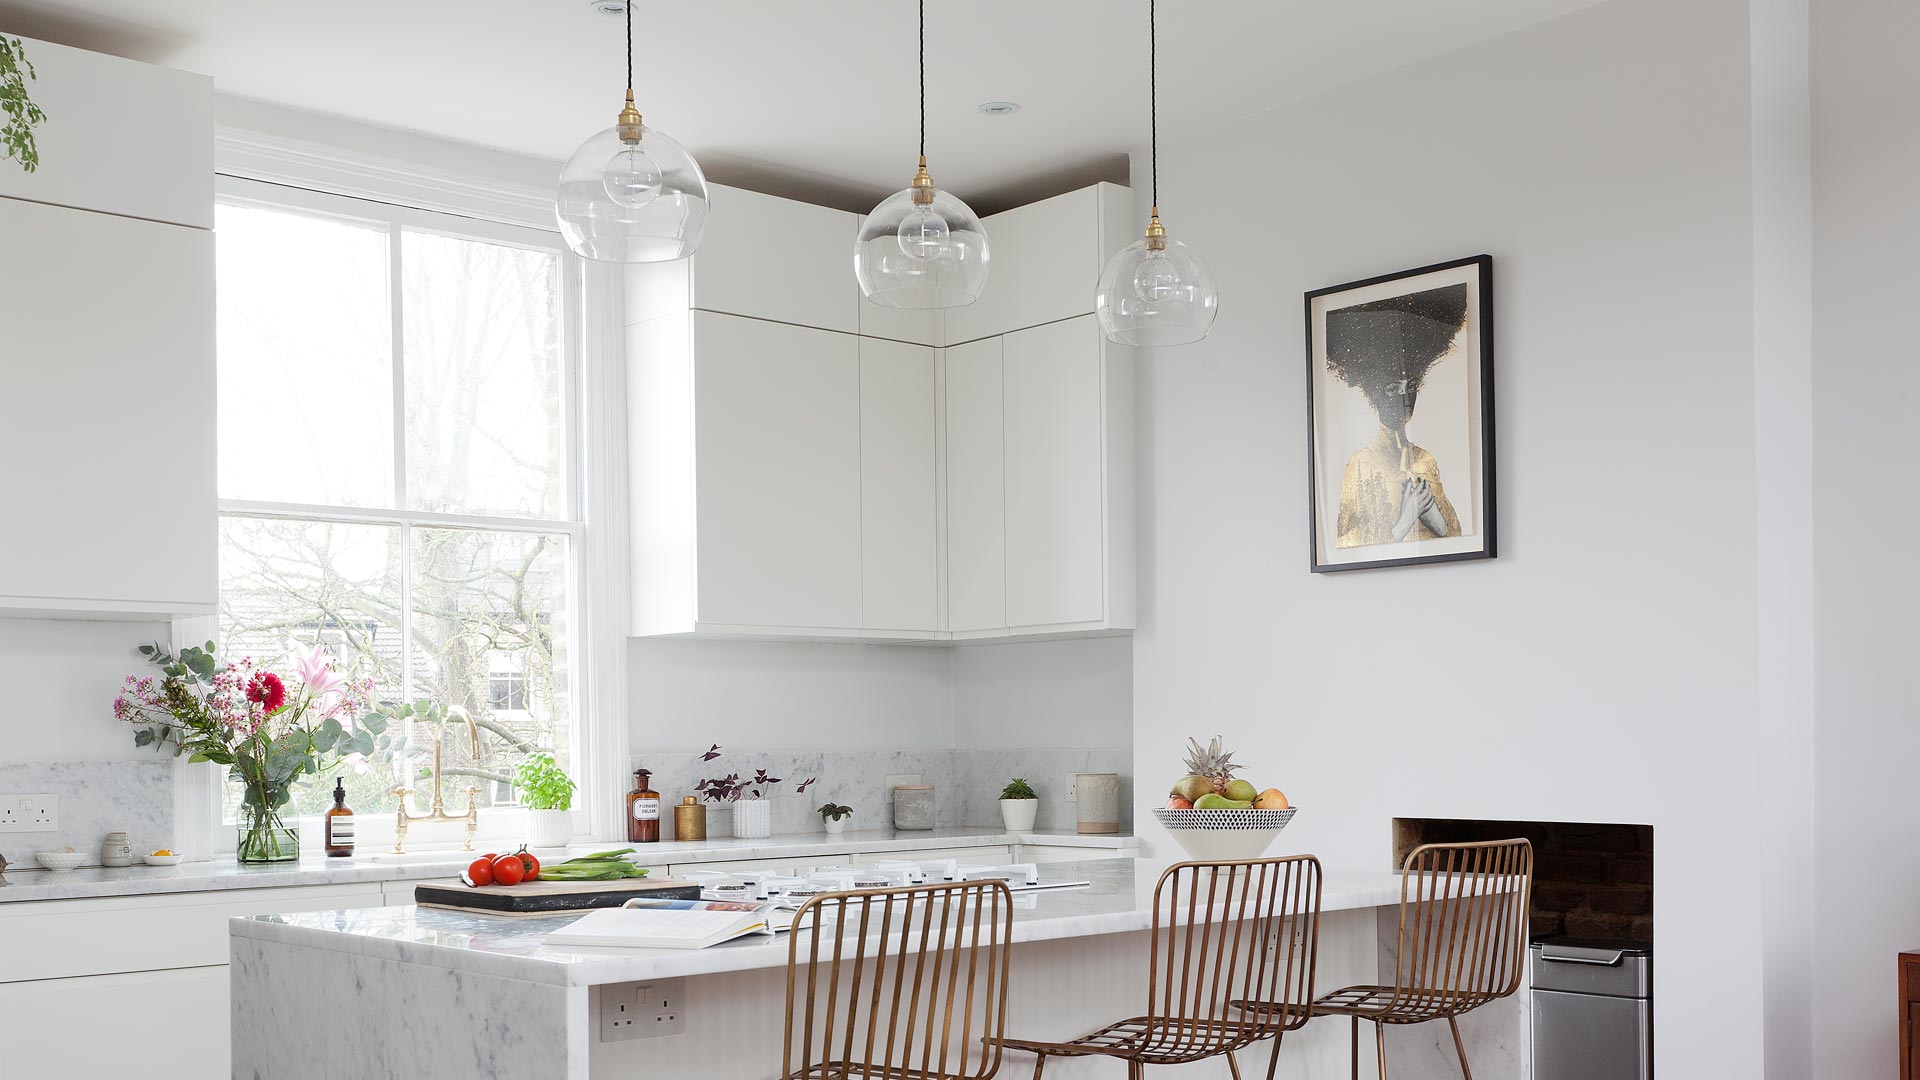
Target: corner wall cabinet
column 106, row 294
column 807, row 465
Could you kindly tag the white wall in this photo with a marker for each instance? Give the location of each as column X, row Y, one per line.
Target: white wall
column 1603, row 668
column 1866, row 98
column 61, row 678
column 787, row 695
column 828, row 696
column 1074, row 693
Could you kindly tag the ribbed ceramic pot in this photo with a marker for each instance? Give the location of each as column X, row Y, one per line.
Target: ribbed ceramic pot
column 752, row 819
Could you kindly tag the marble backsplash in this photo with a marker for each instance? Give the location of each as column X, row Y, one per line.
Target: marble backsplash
column 966, row 783
column 96, row 797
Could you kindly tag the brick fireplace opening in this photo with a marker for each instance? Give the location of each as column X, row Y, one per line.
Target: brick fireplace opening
column 1590, row 880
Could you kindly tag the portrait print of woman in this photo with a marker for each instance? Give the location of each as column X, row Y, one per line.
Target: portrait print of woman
column 1392, row 490
column 1400, row 407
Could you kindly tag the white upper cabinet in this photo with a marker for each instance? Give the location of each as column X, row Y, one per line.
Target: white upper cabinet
column 762, row 257
column 121, row 137
column 899, row 464
column 107, row 419
column 976, row 490
column 1045, row 261
column 106, row 297
column 794, row 480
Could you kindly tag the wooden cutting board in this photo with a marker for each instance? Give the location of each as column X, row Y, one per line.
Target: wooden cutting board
column 551, row 897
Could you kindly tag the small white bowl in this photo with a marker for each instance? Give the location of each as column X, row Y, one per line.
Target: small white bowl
column 164, row 860
column 60, row 860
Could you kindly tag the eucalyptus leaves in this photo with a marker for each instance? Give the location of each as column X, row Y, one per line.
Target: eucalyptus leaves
column 22, row 115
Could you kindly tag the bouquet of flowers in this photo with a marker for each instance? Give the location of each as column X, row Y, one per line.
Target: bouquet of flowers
column 246, row 717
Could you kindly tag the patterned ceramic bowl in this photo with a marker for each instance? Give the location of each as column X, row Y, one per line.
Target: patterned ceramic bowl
column 1220, row 835
column 60, row 860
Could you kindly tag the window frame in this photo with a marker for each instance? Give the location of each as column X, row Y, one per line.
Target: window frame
column 586, row 695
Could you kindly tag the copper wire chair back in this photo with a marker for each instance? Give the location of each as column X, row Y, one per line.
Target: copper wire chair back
column 899, row 984
column 1463, row 926
column 1227, row 932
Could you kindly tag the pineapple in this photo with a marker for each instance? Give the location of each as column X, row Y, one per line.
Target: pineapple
column 1213, row 763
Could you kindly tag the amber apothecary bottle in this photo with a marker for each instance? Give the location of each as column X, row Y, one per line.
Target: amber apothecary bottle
column 339, row 823
column 643, row 810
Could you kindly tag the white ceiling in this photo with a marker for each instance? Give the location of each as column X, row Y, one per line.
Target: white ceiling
column 813, row 98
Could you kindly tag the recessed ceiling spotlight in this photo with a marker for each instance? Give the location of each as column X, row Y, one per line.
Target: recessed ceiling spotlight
column 608, row 7
column 999, row 108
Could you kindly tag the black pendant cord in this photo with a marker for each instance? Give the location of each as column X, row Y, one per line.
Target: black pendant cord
column 629, row 7
column 1153, row 95
column 923, row 81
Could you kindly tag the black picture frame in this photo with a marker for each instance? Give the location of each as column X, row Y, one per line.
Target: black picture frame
column 1478, row 270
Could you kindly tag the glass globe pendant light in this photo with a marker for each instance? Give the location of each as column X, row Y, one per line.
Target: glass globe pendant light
column 632, row 194
column 921, row 248
column 1155, row 291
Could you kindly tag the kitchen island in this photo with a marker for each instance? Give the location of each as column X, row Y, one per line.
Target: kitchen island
column 431, row 993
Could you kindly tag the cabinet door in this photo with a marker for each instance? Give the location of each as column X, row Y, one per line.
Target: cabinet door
column 773, row 258
column 156, row 1025
column 1044, row 264
column 1055, row 475
column 777, row 454
column 121, row 137
column 899, row 578
column 976, row 490
column 107, row 419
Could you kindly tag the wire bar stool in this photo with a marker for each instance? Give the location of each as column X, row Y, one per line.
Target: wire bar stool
column 906, row 983
column 1463, row 942
column 1247, row 929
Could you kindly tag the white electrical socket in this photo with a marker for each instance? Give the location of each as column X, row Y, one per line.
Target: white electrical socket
column 1066, row 784
column 645, row 1010
column 29, row 813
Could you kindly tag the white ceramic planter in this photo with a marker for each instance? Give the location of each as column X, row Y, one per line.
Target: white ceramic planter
column 752, row 819
column 835, row 826
column 549, row 828
column 1019, row 813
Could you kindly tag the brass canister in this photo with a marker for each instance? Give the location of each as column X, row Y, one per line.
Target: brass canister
column 689, row 820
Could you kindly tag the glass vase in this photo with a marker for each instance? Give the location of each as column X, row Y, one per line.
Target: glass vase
column 264, row 838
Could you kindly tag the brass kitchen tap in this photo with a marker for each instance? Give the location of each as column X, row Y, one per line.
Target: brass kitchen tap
column 403, row 817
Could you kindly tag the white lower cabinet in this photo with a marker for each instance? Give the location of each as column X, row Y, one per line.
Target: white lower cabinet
column 977, row 856
column 156, row 1025
column 131, row 985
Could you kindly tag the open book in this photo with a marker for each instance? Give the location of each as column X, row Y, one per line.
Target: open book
column 667, row 924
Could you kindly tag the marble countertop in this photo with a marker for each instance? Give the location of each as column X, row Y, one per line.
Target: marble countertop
column 1112, row 902
column 19, row 884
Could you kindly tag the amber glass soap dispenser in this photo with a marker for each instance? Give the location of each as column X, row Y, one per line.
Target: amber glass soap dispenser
column 643, row 810
column 339, row 823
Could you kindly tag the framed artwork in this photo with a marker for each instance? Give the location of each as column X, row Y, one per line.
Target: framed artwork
column 1400, row 418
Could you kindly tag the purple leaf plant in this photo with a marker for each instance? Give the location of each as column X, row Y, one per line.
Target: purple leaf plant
column 730, row 788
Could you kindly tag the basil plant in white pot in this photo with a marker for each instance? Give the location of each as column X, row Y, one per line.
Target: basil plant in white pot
column 1019, row 805
column 547, row 792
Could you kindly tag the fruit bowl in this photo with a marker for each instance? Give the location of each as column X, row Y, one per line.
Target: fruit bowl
column 1224, row 835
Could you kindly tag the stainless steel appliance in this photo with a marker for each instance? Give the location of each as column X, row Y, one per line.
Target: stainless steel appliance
column 1592, row 1011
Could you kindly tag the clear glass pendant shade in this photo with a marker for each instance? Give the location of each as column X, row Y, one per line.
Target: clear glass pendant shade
column 632, row 202
column 1156, row 292
column 921, row 253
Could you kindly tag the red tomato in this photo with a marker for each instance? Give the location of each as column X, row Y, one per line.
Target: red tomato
column 508, row 870
column 532, row 864
column 480, row 872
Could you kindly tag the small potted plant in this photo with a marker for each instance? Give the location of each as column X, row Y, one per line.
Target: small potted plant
column 547, row 792
column 1018, row 805
column 834, row 817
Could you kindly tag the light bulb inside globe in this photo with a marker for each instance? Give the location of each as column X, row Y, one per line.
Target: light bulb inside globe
column 923, row 233
column 633, row 178
column 1157, row 280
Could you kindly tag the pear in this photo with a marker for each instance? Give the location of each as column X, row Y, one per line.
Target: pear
column 1191, row 788
column 1212, row 801
column 1241, row 791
